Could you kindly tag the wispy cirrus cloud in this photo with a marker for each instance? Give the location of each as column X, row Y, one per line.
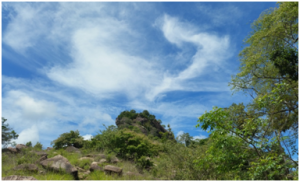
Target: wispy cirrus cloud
column 93, row 62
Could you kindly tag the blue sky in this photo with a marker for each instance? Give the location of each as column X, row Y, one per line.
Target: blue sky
column 75, row 66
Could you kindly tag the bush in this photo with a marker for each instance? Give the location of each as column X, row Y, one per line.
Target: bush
column 38, row 146
column 144, row 162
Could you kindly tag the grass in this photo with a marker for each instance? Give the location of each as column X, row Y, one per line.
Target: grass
column 164, row 169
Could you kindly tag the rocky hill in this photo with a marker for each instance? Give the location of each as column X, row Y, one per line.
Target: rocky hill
column 142, row 122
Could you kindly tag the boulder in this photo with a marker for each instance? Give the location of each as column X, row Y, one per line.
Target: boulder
column 19, row 147
column 102, row 161
column 58, row 163
column 115, row 160
column 27, row 167
column 113, row 169
column 12, row 150
column 15, row 177
column 89, row 158
column 72, row 149
column 94, row 167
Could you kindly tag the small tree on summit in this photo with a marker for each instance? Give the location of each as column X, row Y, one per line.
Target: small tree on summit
column 68, row 139
column 7, row 133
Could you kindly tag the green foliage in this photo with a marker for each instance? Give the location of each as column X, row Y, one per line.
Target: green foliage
column 257, row 141
column 129, row 114
column 127, row 142
column 38, row 146
column 68, row 139
column 29, row 144
column 84, row 163
column 7, row 133
column 144, row 162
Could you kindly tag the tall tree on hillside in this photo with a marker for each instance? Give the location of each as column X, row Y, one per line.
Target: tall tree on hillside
column 7, row 133
column 261, row 138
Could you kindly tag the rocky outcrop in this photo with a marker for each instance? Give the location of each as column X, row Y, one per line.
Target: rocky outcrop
column 145, row 125
column 19, row 147
column 113, row 170
column 27, row 167
column 15, row 177
column 59, row 163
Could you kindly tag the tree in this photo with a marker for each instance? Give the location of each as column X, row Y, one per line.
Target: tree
column 7, row 133
column 185, row 138
column 68, row 139
column 264, row 133
column 29, row 144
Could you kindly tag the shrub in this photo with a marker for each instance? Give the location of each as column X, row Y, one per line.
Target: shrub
column 144, row 162
column 38, row 146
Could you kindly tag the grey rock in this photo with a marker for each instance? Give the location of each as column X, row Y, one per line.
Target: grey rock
column 94, row 167
column 58, row 163
column 15, row 177
column 72, row 149
column 19, row 147
column 12, row 150
column 113, row 169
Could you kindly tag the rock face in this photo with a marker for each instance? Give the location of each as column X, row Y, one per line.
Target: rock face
column 27, row 167
column 94, row 167
column 19, row 147
column 15, row 177
column 58, row 163
column 113, row 169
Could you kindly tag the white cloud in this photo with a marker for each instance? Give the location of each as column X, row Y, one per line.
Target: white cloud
column 212, row 50
column 87, row 137
column 27, row 135
column 199, row 137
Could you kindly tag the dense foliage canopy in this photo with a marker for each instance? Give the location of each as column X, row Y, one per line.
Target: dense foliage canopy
column 259, row 140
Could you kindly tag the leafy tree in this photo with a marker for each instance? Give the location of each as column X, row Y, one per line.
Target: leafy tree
column 68, row 139
column 185, row 138
column 29, row 144
column 7, row 133
column 259, row 140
